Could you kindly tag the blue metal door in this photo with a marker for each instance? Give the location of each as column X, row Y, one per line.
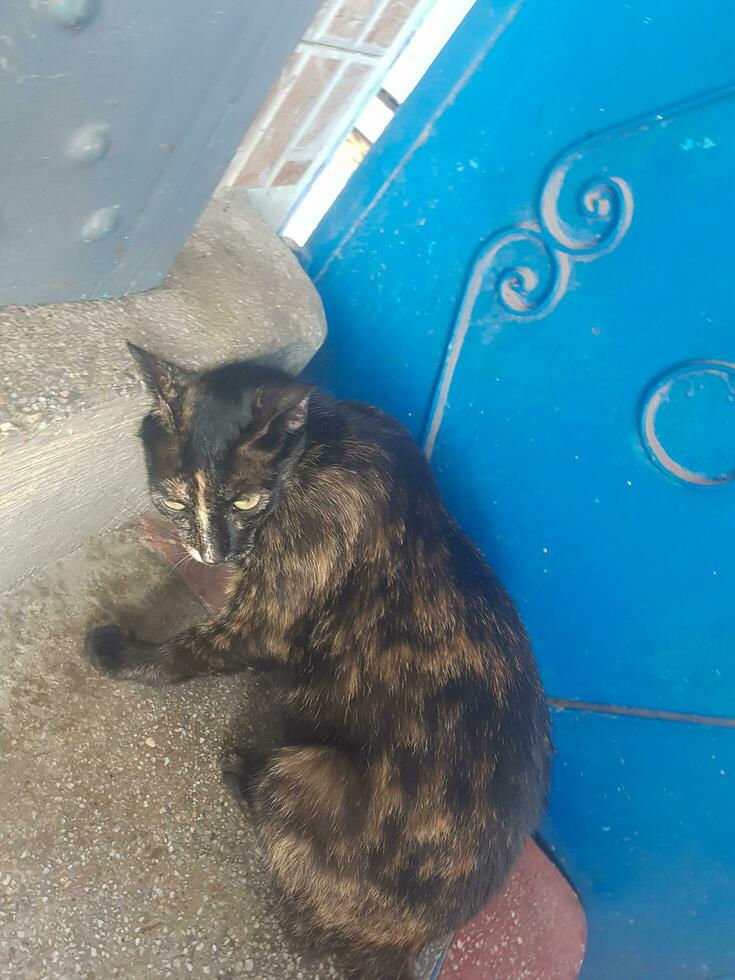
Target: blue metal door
column 533, row 271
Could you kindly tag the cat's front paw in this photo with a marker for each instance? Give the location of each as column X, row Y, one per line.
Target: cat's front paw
column 108, row 649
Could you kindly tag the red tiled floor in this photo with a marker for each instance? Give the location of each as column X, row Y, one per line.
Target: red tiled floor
column 534, row 930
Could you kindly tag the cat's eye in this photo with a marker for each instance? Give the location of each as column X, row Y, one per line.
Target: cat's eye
column 247, row 503
column 173, row 504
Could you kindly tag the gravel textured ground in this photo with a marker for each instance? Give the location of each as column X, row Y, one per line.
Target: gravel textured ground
column 121, row 854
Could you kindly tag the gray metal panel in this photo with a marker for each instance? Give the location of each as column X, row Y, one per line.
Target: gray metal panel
column 118, row 117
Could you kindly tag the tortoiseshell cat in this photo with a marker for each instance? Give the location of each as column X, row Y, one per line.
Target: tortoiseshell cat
column 416, row 750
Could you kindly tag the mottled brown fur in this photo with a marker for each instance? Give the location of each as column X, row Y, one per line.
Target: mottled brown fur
column 414, row 756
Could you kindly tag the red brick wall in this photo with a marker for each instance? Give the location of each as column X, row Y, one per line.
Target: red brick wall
column 339, row 62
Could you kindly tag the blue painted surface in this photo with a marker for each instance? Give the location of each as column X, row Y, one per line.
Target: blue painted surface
column 438, row 967
column 641, row 822
column 532, row 271
column 391, row 257
column 571, row 391
column 118, row 120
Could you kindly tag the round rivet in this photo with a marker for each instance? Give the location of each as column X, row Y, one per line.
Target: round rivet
column 90, row 143
column 101, row 224
column 688, row 423
column 74, row 14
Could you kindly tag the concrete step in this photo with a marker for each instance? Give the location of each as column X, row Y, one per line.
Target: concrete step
column 70, row 401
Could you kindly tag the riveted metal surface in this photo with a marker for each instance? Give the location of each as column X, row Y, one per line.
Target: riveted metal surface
column 118, row 120
column 89, row 143
column 101, row 224
column 72, row 14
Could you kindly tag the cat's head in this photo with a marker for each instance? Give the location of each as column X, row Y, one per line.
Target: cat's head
column 219, row 447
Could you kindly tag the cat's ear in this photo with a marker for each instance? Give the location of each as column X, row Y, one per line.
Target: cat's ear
column 285, row 406
column 165, row 380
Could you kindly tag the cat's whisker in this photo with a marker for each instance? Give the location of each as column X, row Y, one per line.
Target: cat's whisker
column 155, row 539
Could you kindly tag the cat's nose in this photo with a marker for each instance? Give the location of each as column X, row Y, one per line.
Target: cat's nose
column 214, row 552
column 212, row 557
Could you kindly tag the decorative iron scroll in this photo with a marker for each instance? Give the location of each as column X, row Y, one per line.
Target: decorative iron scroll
column 528, row 267
column 582, row 213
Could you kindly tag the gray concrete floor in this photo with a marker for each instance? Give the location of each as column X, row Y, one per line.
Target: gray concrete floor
column 121, row 854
